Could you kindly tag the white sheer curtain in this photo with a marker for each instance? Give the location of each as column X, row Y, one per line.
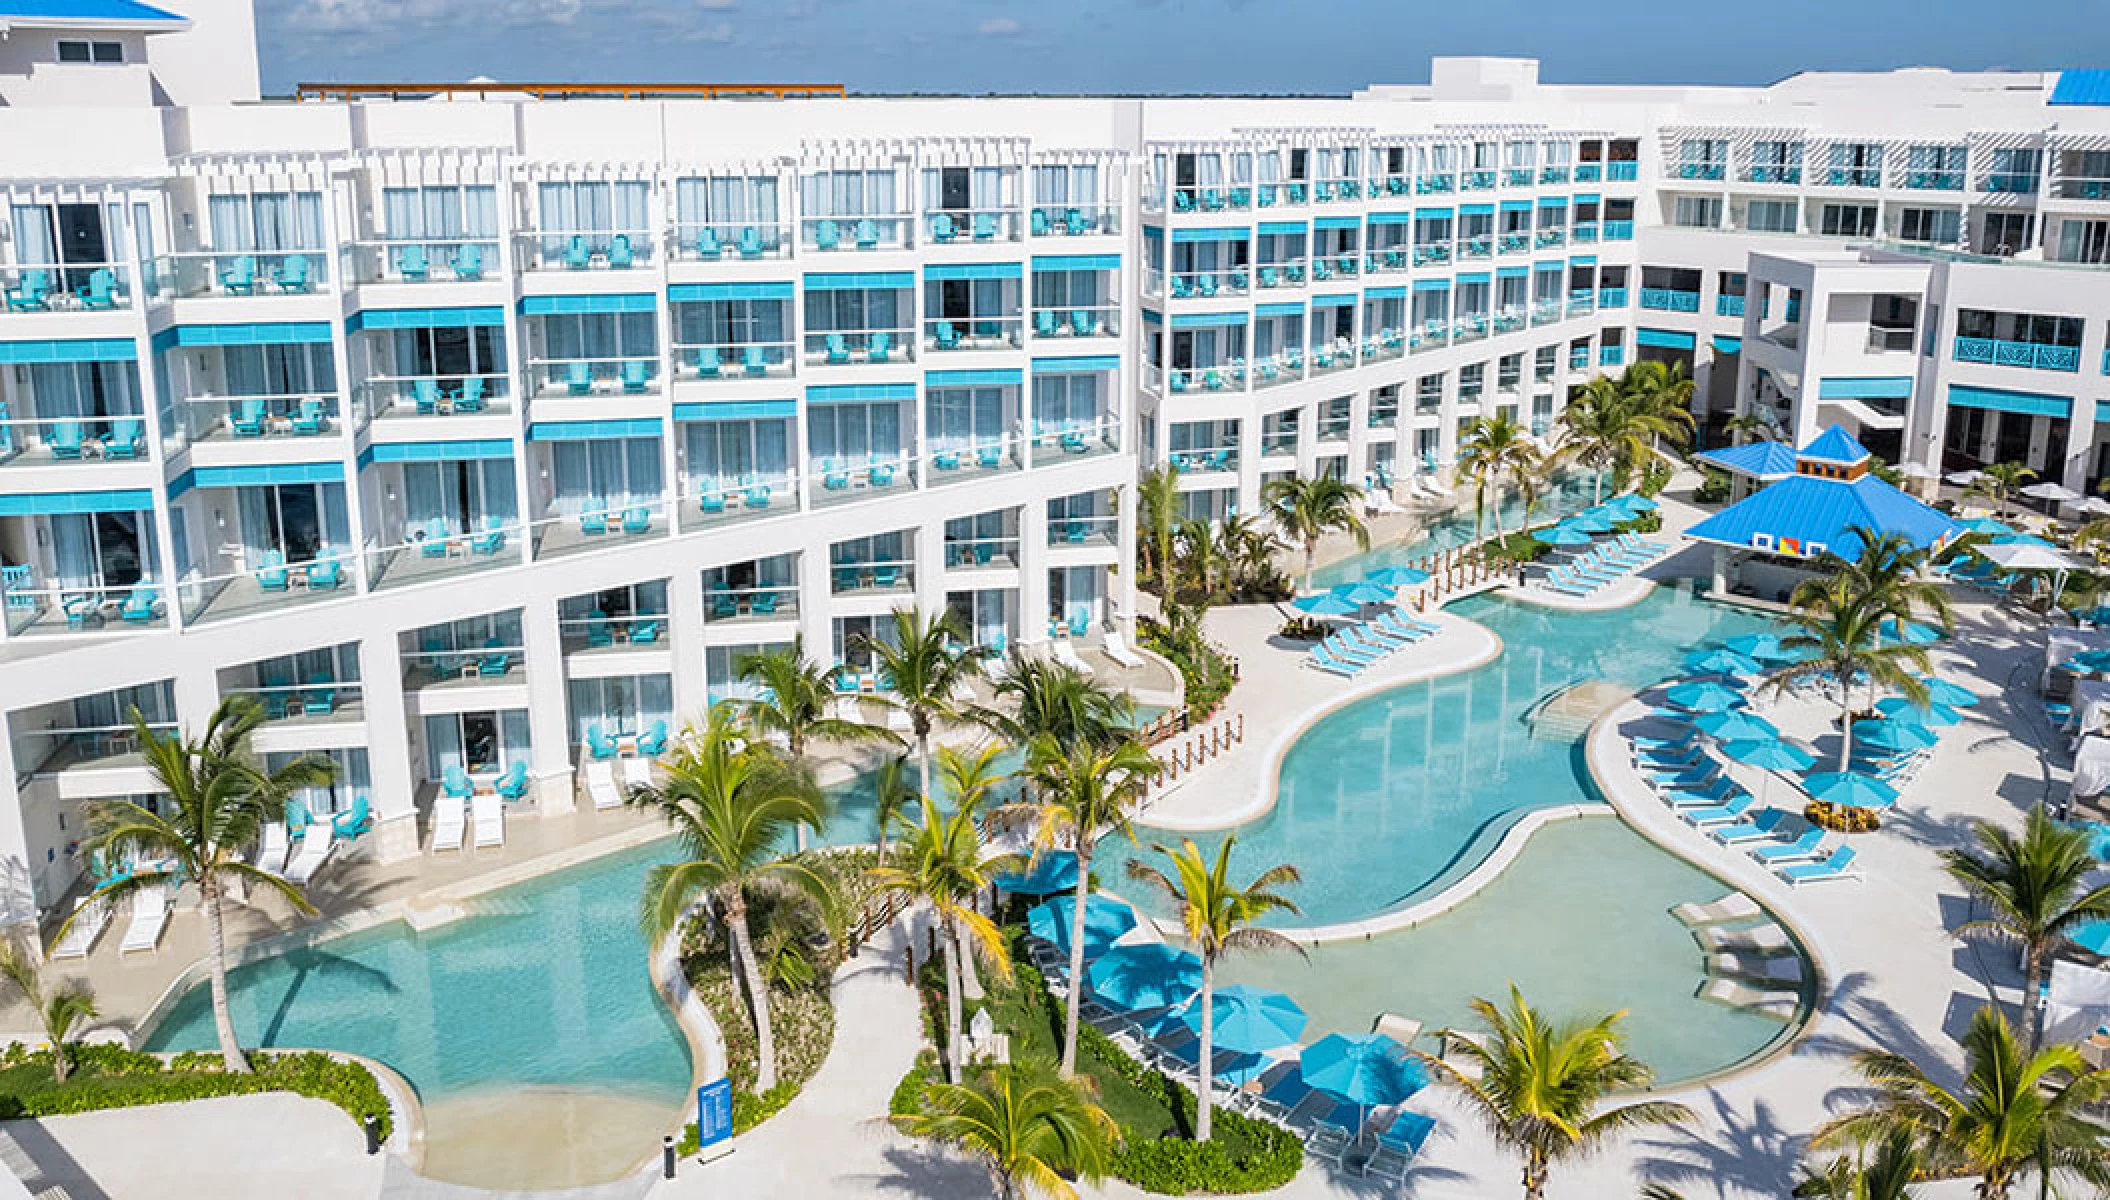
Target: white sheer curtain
column 33, row 237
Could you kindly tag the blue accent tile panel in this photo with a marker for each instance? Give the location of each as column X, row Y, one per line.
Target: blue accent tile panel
column 1338, row 223
column 1337, row 300
column 74, row 350
column 856, row 281
column 1385, row 293
column 584, row 431
column 1280, row 308
column 60, row 504
column 1666, row 339
column 2035, row 404
column 684, row 293
column 490, row 316
column 462, row 451
column 998, row 377
column 1400, row 218
column 1724, row 344
column 277, row 334
column 260, row 475
column 1076, row 262
column 856, row 393
column 1883, row 387
column 1229, row 233
column 1076, row 366
column 1002, row 270
column 1282, row 228
column 559, row 306
column 1230, row 320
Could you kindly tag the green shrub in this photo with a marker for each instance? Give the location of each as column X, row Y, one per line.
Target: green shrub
column 1243, row 1154
column 1303, row 629
column 908, row 1094
column 1517, row 548
column 1655, row 477
column 802, row 1018
column 1714, row 487
column 108, row 1076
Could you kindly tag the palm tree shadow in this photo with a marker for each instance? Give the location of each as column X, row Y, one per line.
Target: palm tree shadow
column 313, row 962
column 1738, row 1153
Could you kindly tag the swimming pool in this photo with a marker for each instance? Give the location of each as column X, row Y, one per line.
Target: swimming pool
column 1389, row 798
column 539, row 1049
column 1572, row 493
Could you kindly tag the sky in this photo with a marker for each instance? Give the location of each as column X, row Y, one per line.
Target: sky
column 1149, row 46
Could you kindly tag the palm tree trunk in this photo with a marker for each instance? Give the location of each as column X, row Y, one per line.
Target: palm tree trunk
column 1596, row 488
column 222, row 1017
column 1069, row 1019
column 1846, row 724
column 1201, row 1094
column 2032, row 987
column 60, row 1066
column 1311, row 560
column 1535, row 1175
column 950, row 947
column 757, row 992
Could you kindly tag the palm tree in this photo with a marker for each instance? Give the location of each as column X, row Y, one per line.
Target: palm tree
column 1158, row 509
column 1252, row 547
column 1888, row 1175
column 1306, row 510
column 1754, row 423
column 734, row 804
column 1495, row 450
column 1598, row 430
column 1662, row 400
column 218, row 799
column 1541, row 1085
column 1047, row 699
column 941, row 864
column 1033, row 1129
column 1086, row 791
column 892, row 797
column 1886, row 575
column 1202, row 556
column 1219, row 916
column 1999, row 481
column 2009, row 1116
column 2037, row 888
column 796, row 693
column 1842, row 639
column 61, row 1010
column 926, row 663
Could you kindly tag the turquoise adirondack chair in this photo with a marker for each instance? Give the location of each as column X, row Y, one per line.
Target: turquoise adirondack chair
column 707, row 247
column 325, row 575
column 867, row 233
column 471, row 397
column 577, row 254
column 65, row 441
column 30, row 294
column 620, row 256
column 238, row 278
column 139, row 604
column 827, row 235
column 750, row 243
column 708, row 363
column 513, row 784
column 248, row 418
column 427, row 393
column 101, row 293
column 292, row 274
column 411, row 264
column 271, row 571
column 434, row 544
column 635, row 374
column 469, row 262
column 578, row 378
column 311, row 418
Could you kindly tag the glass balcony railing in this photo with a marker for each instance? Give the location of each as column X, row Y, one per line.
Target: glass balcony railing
column 609, row 631
column 878, row 231
column 1089, row 322
column 1385, row 343
column 1578, row 358
column 947, row 334
column 887, row 577
column 1074, row 220
column 423, row 260
column 1224, row 378
column 843, row 347
column 1436, row 185
column 1093, row 530
column 245, row 273
column 431, row 396
column 1290, row 273
column 1197, row 460
column 586, row 250
column 1622, row 172
column 1611, row 297
column 1934, row 181
column 1885, row 340
column 442, row 549
column 846, row 479
column 1513, row 243
column 1391, row 185
column 1209, row 284
column 1553, row 174
column 1269, row 195
column 749, row 360
column 1468, row 327
column 1477, row 181
column 1866, row 177
column 1479, row 245
column 1701, row 170
column 635, row 375
column 1545, row 312
column 1549, row 238
column 1611, row 356
column 2012, row 182
column 726, row 497
column 728, row 241
column 1384, row 260
column 271, row 584
column 1726, row 305
column 1772, row 173
column 1334, row 266
column 598, row 523
column 1218, row 198
column 765, row 600
column 1432, row 253
column 1519, row 176
column 1334, row 191
column 1619, row 231
column 1670, row 300
column 83, row 608
column 260, row 418
column 2001, row 353
column 1585, row 233
column 949, row 226
column 1058, row 439
column 72, row 287
column 1582, row 303
column 2084, row 189
column 953, row 457
column 41, row 441
column 1589, row 172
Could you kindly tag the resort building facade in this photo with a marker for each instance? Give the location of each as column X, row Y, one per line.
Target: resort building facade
column 472, row 431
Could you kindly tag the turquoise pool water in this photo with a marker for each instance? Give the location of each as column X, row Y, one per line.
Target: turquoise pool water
column 1580, row 922
column 545, row 987
column 1389, row 798
column 1571, row 494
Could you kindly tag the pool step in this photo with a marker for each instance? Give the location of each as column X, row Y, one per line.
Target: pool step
column 1566, row 715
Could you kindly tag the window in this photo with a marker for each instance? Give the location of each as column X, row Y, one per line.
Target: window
column 1928, row 225
column 1770, row 216
column 95, row 52
column 1472, row 380
column 1697, row 212
column 2007, row 232
column 1848, row 220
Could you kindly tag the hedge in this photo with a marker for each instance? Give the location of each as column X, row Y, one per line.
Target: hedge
column 107, row 1076
column 1177, row 1166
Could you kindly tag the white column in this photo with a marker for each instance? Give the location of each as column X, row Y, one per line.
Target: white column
column 394, row 781
column 17, row 891
column 1033, row 573
column 816, row 608
column 692, row 688
column 550, row 773
column 1125, row 580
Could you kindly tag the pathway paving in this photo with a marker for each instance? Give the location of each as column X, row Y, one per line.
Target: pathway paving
column 265, row 1147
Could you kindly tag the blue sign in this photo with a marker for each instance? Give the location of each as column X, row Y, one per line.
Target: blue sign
column 714, row 1113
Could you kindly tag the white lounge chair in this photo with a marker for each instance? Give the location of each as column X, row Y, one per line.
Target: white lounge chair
column 271, row 852
column 1735, row 906
column 449, row 822
column 1782, row 969
column 601, row 785
column 1117, row 649
column 90, row 918
column 637, row 772
column 490, row 820
column 1066, row 654
column 315, row 847
column 1759, row 939
column 150, row 915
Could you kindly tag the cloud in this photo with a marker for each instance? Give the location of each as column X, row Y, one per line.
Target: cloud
column 717, row 5
column 401, row 22
column 999, row 27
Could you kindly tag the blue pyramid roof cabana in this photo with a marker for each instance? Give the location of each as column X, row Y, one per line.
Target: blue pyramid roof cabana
column 1765, row 461
column 1813, row 510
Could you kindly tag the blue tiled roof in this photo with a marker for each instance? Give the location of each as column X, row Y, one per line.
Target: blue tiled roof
column 1837, row 446
column 1804, row 515
column 129, row 12
column 2090, row 87
column 1755, row 460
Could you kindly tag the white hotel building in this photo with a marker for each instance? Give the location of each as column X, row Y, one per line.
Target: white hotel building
column 455, row 425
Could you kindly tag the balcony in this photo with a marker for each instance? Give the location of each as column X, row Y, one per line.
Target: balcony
column 1589, row 172
column 43, row 441
column 1578, row 358
column 845, row 347
column 1432, row 253
column 1336, row 355
column 1934, row 181
column 423, row 260
column 1861, row 177
column 1469, row 327
column 1553, row 174
column 1622, row 172
column 1229, row 377
column 1331, row 191
column 2084, row 189
column 440, row 551
column 1328, row 266
column 945, row 335
column 728, row 241
column 1207, row 285
column 843, row 481
column 1701, row 170
column 971, row 226
column 1611, row 297
column 189, row 276
column 73, row 287
column 1074, row 220
column 1222, row 199
column 1386, row 343
column 726, row 499
column 272, row 585
column 1726, row 305
column 1391, row 185
column 1076, row 439
column 1545, row 312
column 1772, row 174
column 1670, row 300
column 1519, row 176
column 1886, row 340
column 1619, row 231
column 1271, row 194
column 1513, row 243
column 956, row 458
column 32, row 611
column 636, row 375
column 876, row 231
column 1200, row 460
column 1611, row 356
column 750, row 360
column 1477, row 181
column 2034, row 355
column 610, row 521
column 1585, row 233
column 890, row 577
column 431, row 396
column 1280, row 275
column 1093, row 530
column 1479, row 245
column 1442, row 183
column 1385, row 260
column 1547, row 239
column 765, row 601
column 1088, row 322
column 585, row 250
column 2016, row 183
column 600, row 631
column 983, row 554
column 1582, row 302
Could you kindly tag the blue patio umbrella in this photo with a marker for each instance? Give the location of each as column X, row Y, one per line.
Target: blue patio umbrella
column 2088, row 660
column 1849, row 789
column 1397, row 577
column 2019, row 539
column 1719, row 661
column 1104, row 920
column 1561, row 535
column 2092, row 936
column 1912, row 633
column 1762, row 647
column 1987, row 525
column 1152, row 975
column 1637, row 502
column 1363, row 592
column 1325, row 604
column 1894, row 735
column 1941, row 691
column 1591, row 520
column 1772, row 754
column 1932, row 714
column 1368, row 1070
column 1248, row 1019
column 1235, row 1067
column 1055, row 871
column 1704, row 695
column 1735, row 725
